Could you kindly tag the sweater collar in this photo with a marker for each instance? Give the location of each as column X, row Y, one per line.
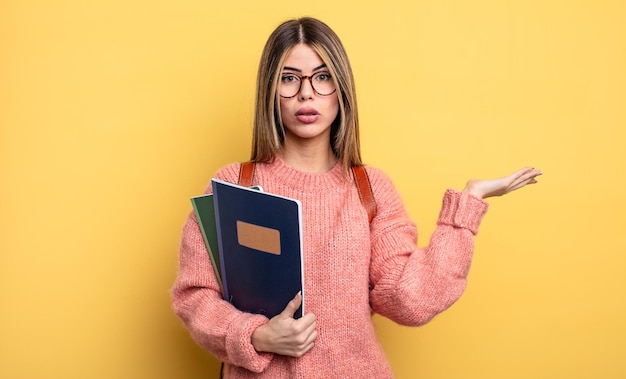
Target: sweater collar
column 306, row 181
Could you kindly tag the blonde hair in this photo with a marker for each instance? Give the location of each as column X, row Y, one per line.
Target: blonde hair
column 268, row 133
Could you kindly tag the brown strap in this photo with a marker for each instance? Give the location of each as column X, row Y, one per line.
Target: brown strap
column 365, row 190
column 245, row 174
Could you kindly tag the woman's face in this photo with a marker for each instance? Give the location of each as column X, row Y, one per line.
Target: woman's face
column 307, row 116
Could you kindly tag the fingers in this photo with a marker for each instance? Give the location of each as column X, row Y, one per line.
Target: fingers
column 305, row 340
column 498, row 187
column 285, row 335
column 293, row 305
column 302, row 332
column 523, row 177
column 521, row 172
column 298, row 336
column 529, row 174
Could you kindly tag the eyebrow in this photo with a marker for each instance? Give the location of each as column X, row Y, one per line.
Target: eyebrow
column 298, row 70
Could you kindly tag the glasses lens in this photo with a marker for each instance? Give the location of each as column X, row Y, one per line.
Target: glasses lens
column 322, row 84
column 289, row 85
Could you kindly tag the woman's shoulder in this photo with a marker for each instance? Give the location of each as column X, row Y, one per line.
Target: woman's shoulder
column 229, row 172
column 377, row 176
column 381, row 183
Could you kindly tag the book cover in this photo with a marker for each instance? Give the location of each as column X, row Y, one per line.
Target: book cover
column 204, row 210
column 260, row 248
column 205, row 214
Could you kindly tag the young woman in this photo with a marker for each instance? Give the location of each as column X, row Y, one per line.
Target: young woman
column 306, row 140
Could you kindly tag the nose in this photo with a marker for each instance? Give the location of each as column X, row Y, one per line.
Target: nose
column 306, row 88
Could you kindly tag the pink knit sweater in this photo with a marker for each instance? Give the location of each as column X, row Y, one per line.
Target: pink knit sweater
column 351, row 268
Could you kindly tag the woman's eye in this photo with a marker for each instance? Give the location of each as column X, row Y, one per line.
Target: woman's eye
column 323, row 77
column 289, row 79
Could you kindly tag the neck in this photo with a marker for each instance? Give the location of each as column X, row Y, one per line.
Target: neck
column 320, row 159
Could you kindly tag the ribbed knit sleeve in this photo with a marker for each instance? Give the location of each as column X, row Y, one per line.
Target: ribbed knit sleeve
column 412, row 285
column 212, row 322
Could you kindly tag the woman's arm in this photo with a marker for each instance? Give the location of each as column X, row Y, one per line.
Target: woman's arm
column 212, row 322
column 411, row 285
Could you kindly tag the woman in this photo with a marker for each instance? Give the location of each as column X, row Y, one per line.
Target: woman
column 305, row 142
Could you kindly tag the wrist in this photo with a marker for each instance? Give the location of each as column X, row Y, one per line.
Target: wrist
column 256, row 339
column 471, row 189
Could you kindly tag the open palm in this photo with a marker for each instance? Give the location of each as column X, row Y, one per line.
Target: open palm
column 497, row 187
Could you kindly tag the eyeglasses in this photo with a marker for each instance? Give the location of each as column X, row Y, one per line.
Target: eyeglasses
column 321, row 83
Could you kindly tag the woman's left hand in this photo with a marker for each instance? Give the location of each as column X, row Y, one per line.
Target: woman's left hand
column 501, row 186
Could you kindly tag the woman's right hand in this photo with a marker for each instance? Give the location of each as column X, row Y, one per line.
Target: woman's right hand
column 285, row 335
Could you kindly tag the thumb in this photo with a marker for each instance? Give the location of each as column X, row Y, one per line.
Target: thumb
column 293, row 305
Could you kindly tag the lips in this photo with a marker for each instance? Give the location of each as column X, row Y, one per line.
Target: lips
column 307, row 115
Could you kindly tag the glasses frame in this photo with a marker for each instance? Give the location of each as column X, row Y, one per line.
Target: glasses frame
column 302, row 79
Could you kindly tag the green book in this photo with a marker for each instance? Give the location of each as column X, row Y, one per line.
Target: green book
column 204, row 209
column 205, row 214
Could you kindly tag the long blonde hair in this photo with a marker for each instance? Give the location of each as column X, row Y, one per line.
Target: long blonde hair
column 268, row 133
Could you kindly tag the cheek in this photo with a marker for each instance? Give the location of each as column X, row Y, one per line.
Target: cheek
column 334, row 106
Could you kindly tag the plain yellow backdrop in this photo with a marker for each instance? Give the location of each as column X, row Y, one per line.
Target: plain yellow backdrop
column 113, row 113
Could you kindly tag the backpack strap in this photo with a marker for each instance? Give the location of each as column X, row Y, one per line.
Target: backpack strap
column 361, row 179
column 364, row 187
column 246, row 173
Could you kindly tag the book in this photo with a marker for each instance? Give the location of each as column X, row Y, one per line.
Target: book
column 205, row 214
column 260, row 248
column 204, row 210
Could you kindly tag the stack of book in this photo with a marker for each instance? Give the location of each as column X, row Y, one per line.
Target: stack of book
column 254, row 240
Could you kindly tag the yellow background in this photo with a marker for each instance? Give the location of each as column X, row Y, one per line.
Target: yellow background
column 113, row 113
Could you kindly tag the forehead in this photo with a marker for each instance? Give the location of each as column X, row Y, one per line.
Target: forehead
column 303, row 58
